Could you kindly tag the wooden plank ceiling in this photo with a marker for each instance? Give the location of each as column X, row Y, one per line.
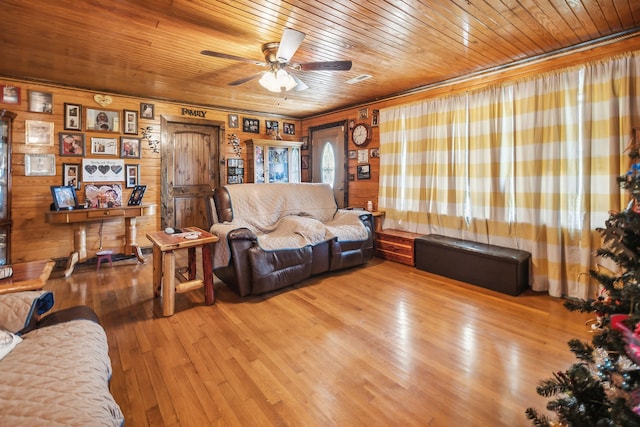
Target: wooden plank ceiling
column 151, row 48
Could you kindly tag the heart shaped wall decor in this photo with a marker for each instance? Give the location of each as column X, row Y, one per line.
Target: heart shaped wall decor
column 103, row 100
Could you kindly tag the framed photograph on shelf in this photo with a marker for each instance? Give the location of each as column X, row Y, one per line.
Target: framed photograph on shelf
column 38, row 133
column 289, row 128
column 72, row 116
column 103, row 196
column 130, row 122
column 71, row 144
column 136, row 195
column 104, row 146
column 129, row 147
column 40, row 102
column 64, row 197
column 233, row 121
column 71, row 175
column 364, row 171
column 10, row 95
column 250, row 125
column 147, row 111
column 101, row 120
column 132, row 175
column 39, row 165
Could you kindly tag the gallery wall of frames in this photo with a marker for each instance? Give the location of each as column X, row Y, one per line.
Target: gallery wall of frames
column 98, row 143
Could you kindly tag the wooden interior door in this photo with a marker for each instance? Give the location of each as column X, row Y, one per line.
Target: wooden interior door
column 189, row 170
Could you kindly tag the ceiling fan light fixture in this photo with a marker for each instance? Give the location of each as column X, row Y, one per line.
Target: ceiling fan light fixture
column 277, row 81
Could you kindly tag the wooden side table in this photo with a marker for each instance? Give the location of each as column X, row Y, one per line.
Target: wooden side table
column 396, row 245
column 27, row 276
column 164, row 268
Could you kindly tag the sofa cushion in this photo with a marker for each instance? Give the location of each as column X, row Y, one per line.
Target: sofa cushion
column 20, row 310
column 59, row 376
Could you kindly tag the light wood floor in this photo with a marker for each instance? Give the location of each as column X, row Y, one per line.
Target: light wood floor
column 379, row 345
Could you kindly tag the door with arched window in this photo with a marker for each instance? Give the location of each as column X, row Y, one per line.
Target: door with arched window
column 329, row 144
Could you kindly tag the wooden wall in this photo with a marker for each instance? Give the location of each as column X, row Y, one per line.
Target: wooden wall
column 33, row 239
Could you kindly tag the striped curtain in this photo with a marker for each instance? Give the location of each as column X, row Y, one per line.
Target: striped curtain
column 530, row 165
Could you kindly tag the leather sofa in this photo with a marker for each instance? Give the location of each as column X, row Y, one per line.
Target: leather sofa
column 275, row 235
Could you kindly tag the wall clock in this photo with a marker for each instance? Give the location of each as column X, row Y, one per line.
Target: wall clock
column 361, row 135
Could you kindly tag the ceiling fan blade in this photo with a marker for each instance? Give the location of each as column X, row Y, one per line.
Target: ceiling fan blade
column 289, row 43
column 245, row 79
column 300, row 85
column 323, row 66
column 232, row 57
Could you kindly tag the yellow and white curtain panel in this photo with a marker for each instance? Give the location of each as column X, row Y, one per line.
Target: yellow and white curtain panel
column 529, row 165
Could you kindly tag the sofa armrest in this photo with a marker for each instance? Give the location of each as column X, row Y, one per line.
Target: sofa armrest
column 237, row 274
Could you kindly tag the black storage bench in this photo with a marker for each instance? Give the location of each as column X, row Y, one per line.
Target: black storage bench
column 493, row 267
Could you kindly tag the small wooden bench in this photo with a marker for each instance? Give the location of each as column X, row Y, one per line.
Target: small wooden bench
column 493, row 267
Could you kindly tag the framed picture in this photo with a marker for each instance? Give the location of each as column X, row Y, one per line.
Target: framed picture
column 102, row 120
column 375, row 152
column 147, row 111
column 71, row 175
column 352, row 154
column 40, row 102
column 363, row 113
column 129, row 147
column 250, row 125
column 38, row 133
column 374, row 117
column 64, row 197
column 10, row 94
column 104, row 146
column 305, row 143
column 363, row 156
column 39, row 165
column 102, row 170
column 72, row 116
column 103, row 196
column 71, row 144
column 289, row 128
column 364, row 171
column 130, row 122
column 233, row 121
column 136, row 195
column 132, row 175
column 271, row 126
column 304, row 159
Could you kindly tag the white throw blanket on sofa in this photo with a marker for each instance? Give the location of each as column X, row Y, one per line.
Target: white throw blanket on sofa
column 287, row 216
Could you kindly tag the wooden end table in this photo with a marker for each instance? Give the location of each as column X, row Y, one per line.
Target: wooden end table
column 164, row 268
column 27, row 276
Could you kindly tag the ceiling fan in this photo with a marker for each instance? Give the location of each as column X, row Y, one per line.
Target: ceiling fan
column 277, row 56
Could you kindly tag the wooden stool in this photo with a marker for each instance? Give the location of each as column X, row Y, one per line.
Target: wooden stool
column 104, row 255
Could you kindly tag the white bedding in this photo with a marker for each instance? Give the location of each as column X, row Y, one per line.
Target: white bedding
column 287, row 216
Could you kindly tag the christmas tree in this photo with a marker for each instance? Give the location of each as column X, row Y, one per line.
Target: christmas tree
column 603, row 387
